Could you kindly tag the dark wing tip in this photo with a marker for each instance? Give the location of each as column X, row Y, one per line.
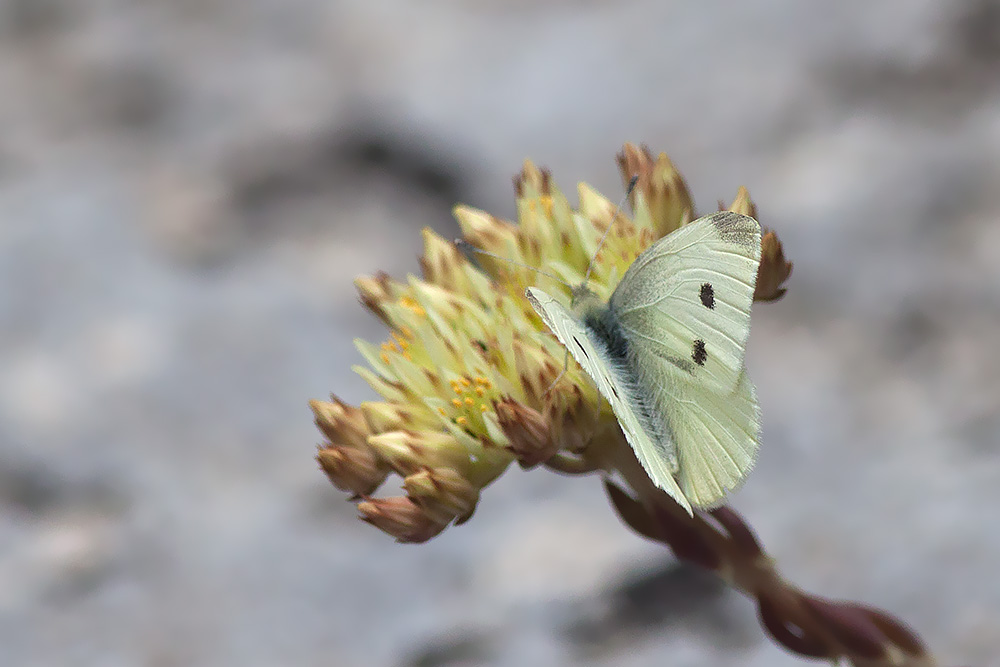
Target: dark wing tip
column 736, row 228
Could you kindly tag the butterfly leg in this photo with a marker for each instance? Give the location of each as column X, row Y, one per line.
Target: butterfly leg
column 561, row 373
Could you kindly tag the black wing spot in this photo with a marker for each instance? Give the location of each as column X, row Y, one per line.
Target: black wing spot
column 581, row 348
column 699, row 354
column 708, row 296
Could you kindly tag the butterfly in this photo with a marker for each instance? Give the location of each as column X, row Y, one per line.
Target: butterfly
column 667, row 352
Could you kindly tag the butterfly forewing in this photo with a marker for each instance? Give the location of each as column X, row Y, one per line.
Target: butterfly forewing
column 684, row 308
column 687, row 298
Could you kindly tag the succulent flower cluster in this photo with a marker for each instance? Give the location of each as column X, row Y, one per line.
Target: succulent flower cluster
column 466, row 371
column 466, row 384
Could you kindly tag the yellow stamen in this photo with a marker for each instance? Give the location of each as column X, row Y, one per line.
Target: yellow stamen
column 480, row 391
column 461, row 421
column 414, row 307
column 402, row 342
column 547, row 205
column 457, row 403
column 469, row 401
column 465, row 382
column 385, row 358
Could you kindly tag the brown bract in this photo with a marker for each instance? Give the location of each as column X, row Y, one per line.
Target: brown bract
column 774, row 270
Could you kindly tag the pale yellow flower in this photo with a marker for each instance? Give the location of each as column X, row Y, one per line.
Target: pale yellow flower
column 465, row 375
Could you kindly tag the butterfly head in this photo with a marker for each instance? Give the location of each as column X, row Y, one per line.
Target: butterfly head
column 581, row 297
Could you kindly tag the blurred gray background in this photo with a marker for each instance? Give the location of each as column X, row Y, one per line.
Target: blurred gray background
column 188, row 187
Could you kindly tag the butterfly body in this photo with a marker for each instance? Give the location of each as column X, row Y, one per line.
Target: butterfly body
column 667, row 352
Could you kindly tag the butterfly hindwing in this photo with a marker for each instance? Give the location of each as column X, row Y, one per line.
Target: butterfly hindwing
column 717, row 435
column 617, row 386
column 687, row 298
column 721, row 436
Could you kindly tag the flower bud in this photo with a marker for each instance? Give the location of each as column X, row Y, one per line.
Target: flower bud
column 442, row 263
column 527, row 430
column 342, row 424
column 442, row 493
column 356, row 471
column 774, row 269
column 384, row 416
column 661, row 189
column 410, row 451
column 743, row 204
column 375, row 292
column 573, row 419
column 535, row 368
column 399, row 517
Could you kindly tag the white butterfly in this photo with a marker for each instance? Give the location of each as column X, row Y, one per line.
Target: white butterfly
column 667, row 352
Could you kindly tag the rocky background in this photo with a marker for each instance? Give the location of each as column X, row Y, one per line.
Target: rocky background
column 188, row 187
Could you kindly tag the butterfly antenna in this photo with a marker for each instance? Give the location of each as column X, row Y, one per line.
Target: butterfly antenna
column 462, row 243
column 628, row 191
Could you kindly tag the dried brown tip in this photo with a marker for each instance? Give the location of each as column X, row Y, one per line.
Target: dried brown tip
column 528, row 432
column 342, row 424
column 774, row 269
column 441, row 262
column 535, row 369
column 357, row 471
column 662, row 187
column 442, row 493
column 374, row 292
column 399, row 517
column 532, row 181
